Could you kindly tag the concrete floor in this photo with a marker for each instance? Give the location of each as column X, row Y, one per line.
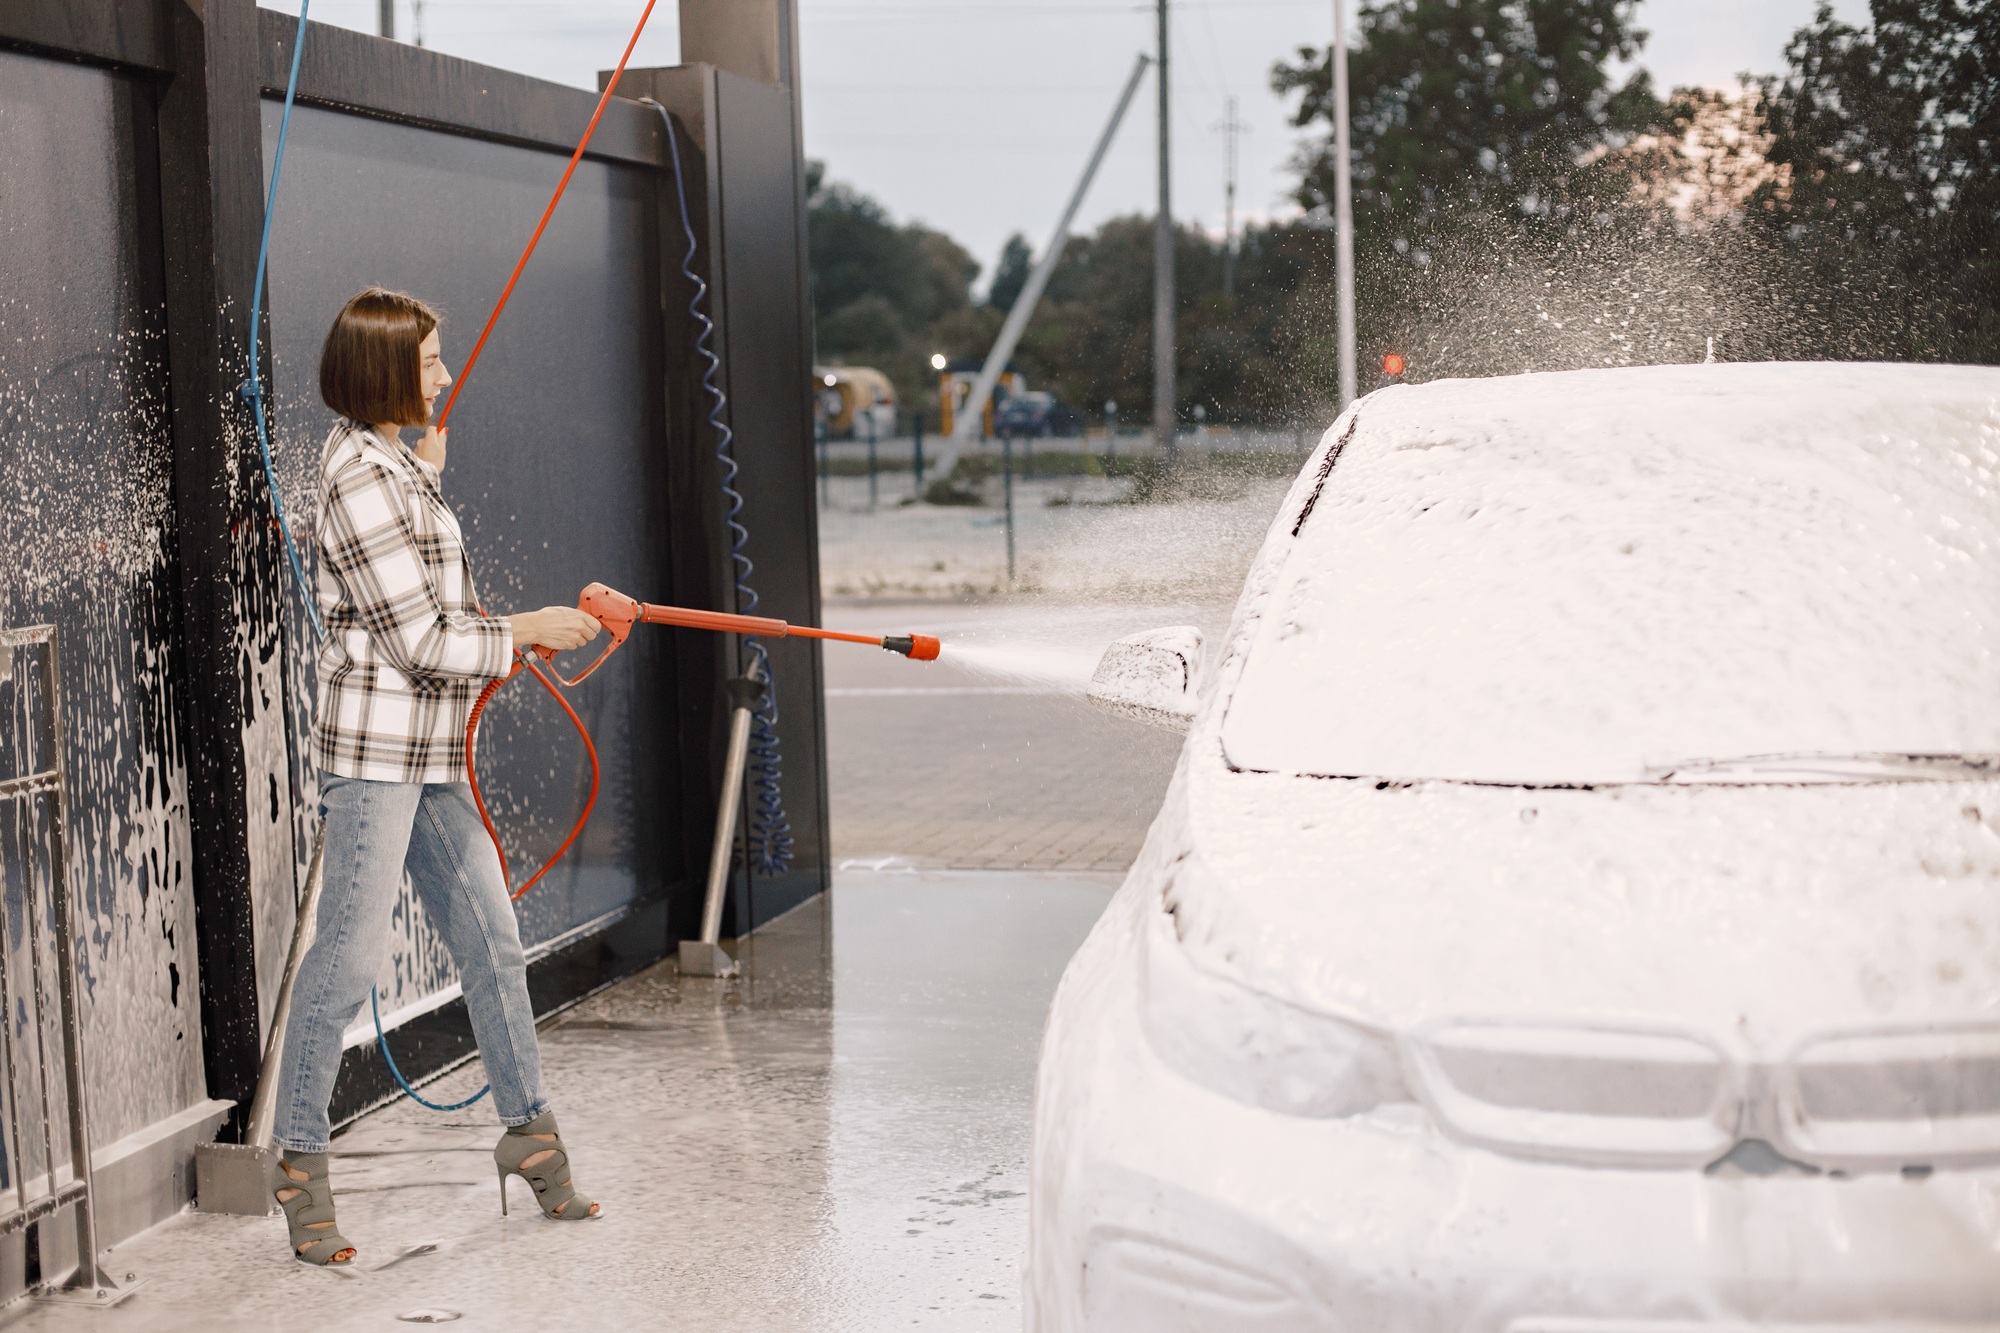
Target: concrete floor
column 839, row 1141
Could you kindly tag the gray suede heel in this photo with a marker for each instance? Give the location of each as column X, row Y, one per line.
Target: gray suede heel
column 549, row 1178
column 309, row 1213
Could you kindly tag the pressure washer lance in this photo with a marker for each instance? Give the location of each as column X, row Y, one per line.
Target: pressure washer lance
column 619, row 613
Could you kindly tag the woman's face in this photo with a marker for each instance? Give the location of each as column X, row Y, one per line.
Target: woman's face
column 431, row 373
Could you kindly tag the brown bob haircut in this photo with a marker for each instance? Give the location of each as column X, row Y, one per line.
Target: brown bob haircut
column 370, row 369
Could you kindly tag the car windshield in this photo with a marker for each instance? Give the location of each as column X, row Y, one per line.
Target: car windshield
column 1592, row 577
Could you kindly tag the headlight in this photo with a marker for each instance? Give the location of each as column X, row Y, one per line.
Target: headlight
column 1255, row 1048
column 1600, row 1094
column 1876, row 1099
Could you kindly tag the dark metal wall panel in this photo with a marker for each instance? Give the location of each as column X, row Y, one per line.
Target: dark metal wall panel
column 769, row 368
column 585, row 431
column 741, row 163
column 374, row 76
column 699, row 538
column 88, row 542
column 118, row 32
column 557, row 463
column 230, row 641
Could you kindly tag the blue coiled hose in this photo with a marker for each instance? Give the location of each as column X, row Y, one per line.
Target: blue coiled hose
column 253, row 389
column 770, row 831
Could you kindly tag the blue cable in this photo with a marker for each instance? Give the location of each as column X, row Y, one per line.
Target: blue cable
column 375, row 1007
column 253, row 389
column 771, row 832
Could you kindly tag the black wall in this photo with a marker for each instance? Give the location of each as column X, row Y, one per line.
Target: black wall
column 578, row 453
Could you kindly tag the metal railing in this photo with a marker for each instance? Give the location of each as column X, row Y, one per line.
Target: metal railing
column 53, row 1196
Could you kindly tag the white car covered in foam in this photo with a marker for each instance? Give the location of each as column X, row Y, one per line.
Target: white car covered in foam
column 1577, row 907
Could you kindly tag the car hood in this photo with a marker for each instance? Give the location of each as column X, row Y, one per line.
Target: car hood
column 1757, row 913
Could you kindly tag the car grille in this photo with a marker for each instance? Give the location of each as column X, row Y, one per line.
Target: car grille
column 1616, row 1095
column 1602, row 1094
column 1894, row 1098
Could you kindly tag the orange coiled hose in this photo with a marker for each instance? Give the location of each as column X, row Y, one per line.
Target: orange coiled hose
column 472, row 772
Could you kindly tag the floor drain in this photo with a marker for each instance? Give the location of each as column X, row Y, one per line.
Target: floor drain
column 433, row 1315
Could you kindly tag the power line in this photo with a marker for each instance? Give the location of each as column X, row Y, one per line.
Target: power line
column 1231, row 128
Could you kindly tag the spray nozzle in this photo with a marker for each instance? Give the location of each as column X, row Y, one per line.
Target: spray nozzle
column 922, row 647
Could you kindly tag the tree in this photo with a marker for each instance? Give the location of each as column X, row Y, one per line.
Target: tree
column 1011, row 276
column 1889, row 140
column 1481, row 106
column 880, row 289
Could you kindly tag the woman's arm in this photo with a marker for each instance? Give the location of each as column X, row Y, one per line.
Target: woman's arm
column 368, row 540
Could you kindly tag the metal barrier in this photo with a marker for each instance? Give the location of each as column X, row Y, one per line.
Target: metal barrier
column 88, row 1283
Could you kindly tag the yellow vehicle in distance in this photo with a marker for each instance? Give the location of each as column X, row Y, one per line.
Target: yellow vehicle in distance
column 854, row 402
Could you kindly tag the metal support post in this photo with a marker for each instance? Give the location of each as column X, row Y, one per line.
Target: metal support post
column 820, row 433
column 917, row 449
column 705, row 957
column 234, row 1178
column 1343, row 205
column 1164, row 390
column 971, row 415
column 1007, row 490
column 89, row 1286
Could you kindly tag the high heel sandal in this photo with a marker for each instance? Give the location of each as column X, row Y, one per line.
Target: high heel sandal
column 549, row 1178
column 309, row 1212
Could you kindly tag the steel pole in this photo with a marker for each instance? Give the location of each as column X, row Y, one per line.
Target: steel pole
column 1343, row 205
column 1163, row 270
column 264, row 1102
column 725, row 823
column 968, row 417
column 385, row 19
column 62, row 910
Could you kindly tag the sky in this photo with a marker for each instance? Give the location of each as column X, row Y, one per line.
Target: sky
column 975, row 117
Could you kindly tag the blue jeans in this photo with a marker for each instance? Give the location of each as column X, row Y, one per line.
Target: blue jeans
column 374, row 832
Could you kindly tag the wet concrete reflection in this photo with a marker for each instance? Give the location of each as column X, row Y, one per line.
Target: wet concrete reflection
column 837, row 1141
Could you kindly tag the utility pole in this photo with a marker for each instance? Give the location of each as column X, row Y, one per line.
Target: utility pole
column 1163, row 272
column 970, row 415
column 385, row 19
column 1230, row 128
column 1343, row 205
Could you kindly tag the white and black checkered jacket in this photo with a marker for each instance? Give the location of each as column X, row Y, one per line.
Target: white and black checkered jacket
column 406, row 651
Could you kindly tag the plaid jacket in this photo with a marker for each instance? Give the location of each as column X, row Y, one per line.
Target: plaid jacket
column 406, row 651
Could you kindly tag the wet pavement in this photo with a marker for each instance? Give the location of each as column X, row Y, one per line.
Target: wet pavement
column 937, row 764
column 837, row 1141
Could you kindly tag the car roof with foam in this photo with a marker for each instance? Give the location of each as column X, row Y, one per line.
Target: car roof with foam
column 1583, row 577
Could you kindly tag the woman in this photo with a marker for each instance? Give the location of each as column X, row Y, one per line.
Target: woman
column 405, row 655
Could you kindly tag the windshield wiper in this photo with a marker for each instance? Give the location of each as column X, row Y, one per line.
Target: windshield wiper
column 1828, row 768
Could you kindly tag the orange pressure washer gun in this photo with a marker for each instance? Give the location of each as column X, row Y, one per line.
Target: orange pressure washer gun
column 619, row 613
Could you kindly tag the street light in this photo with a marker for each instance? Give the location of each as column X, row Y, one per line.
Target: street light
column 937, row 361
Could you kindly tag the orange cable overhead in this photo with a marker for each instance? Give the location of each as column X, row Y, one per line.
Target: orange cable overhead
column 604, row 100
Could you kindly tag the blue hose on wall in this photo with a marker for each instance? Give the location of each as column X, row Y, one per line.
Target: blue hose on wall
column 253, row 389
column 770, row 831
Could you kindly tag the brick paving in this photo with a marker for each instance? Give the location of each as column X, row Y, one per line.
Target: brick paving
column 993, row 776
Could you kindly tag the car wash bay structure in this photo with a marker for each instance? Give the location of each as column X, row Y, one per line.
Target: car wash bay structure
column 136, row 139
